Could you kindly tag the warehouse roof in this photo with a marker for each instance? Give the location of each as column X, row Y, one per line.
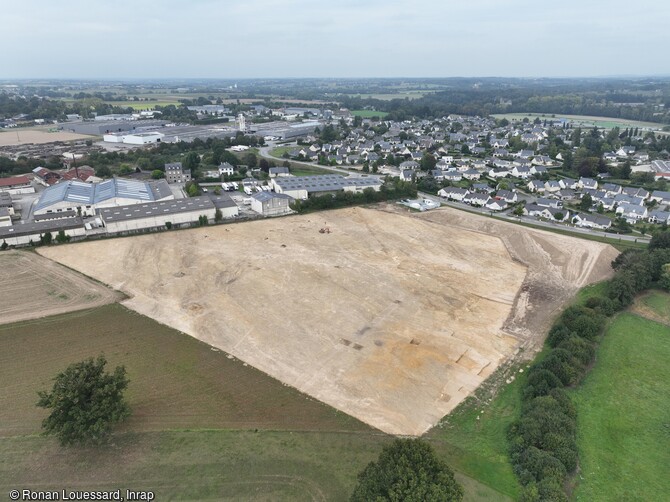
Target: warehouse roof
column 265, row 196
column 87, row 193
column 222, row 201
column 324, row 183
column 40, row 227
column 153, row 209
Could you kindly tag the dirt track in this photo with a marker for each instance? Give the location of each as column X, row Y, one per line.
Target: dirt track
column 36, row 287
column 392, row 318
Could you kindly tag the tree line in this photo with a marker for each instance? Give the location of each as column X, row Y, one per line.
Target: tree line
column 542, row 442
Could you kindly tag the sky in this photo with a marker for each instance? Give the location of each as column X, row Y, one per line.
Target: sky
column 338, row 38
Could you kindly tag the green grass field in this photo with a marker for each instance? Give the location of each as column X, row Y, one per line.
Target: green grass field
column 659, row 303
column 142, row 105
column 366, row 114
column 473, row 438
column 583, row 120
column 624, row 415
column 204, row 425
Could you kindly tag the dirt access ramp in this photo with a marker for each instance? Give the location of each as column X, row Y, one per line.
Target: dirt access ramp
column 34, row 286
column 558, row 266
column 392, row 318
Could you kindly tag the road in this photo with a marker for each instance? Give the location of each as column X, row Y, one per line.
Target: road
column 533, row 222
column 265, row 152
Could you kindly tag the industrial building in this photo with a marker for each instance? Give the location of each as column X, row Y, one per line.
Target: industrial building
column 26, row 233
column 302, row 187
column 6, row 203
column 270, row 203
column 5, row 217
column 173, row 213
column 139, row 138
column 85, row 198
column 16, row 185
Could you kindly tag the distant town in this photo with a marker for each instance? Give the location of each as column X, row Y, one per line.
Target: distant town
column 136, row 172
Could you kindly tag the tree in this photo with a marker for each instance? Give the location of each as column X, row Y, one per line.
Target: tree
column 4, row 246
column 85, row 402
column 586, row 202
column 61, row 237
column 46, row 239
column 157, row 174
column 407, row 470
column 191, row 161
column 103, row 172
column 218, row 215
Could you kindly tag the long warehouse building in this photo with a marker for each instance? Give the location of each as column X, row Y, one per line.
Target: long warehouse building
column 86, row 198
column 302, row 187
column 161, row 214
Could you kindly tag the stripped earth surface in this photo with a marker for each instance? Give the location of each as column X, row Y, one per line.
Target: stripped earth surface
column 391, row 317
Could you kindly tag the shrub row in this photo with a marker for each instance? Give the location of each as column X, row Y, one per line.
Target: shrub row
column 543, row 447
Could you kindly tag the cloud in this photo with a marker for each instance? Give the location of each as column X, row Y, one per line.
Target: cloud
column 340, row 38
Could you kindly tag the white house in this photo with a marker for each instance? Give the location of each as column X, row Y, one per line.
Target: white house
column 592, row 221
column 476, row 199
column 453, row 193
column 496, row 204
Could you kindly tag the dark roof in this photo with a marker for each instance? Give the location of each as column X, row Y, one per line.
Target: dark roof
column 222, row 201
column 40, row 227
column 263, row 196
column 152, row 209
column 68, row 213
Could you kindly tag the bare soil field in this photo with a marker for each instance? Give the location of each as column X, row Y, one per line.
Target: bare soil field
column 392, row 318
column 20, row 136
column 558, row 266
column 36, row 287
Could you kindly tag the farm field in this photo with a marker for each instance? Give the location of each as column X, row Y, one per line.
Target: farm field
column 390, row 318
column 395, row 95
column 583, row 120
column 623, row 410
column 204, row 425
column 143, row 105
column 366, row 114
column 23, row 136
column 41, row 288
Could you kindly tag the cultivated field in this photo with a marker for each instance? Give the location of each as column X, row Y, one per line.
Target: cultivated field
column 21, row 136
column 391, row 318
column 583, row 120
column 203, row 425
column 37, row 287
column 624, row 415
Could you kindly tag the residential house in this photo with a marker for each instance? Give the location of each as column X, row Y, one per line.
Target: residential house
column 476, row 199
column 536, row 186
column 631, row 212
column 658, row 216
column 507, row 195
column 553, row 203
column 482, row 187
column 521, row 172
column 471, row 174
column 592, row 221
column 407, row 174
column 496, row 204
column 453, row 193
column 553, row 186
column 661, row 197
column 587, row 183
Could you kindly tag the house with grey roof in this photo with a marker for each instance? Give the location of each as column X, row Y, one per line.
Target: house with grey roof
column 453, row 193
column 592, row 221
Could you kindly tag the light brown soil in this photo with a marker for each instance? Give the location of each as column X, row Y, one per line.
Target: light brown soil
column 392, row 318
column 21, row 136
column 35, row 287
